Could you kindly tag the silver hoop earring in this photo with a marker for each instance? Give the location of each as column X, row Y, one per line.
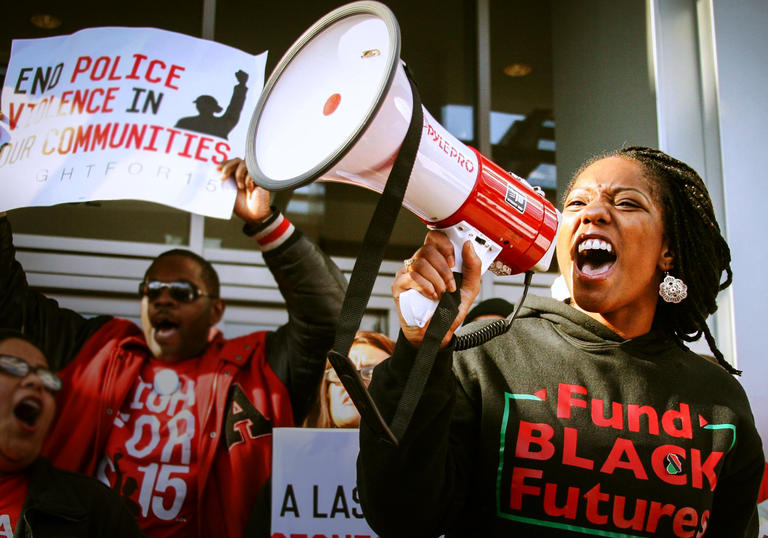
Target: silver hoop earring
column 672, row 290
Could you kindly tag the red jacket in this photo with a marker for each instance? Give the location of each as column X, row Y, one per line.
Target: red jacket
column 246, row 386
column 231, row 472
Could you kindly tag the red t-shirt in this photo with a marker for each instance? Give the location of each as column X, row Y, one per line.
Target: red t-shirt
column 151, row 454
column 13, row 493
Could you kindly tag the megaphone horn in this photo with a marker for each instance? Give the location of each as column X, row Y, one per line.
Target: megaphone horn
column 337, row 107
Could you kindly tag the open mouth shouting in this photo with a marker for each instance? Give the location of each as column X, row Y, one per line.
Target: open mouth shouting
column 595, row 257
column 165, row 327
column 28, row 411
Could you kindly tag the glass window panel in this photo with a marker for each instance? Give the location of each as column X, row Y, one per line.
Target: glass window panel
column 522, row 104
column 184, row 16
column 121, row 220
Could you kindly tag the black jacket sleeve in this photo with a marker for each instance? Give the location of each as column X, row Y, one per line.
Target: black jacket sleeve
column 417, row 488
column 313, row 288
column 59, row 332
column 62, row 503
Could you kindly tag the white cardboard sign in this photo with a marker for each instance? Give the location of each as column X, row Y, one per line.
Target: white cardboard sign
column 125, row 113
column 313, row 484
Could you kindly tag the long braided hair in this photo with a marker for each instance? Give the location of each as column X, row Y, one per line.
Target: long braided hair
column 700, row 252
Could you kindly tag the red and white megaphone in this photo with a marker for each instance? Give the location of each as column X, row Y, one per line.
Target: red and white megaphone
column 337, row 107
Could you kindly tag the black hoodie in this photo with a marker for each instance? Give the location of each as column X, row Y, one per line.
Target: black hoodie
column 562, row 428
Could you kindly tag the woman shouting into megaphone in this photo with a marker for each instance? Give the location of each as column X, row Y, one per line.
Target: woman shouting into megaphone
column 590, row 415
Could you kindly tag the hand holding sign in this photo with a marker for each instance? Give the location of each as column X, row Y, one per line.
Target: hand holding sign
column 252, row 202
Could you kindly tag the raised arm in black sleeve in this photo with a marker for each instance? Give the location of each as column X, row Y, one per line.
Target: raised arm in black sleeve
column 59, row 332
column 313, row 288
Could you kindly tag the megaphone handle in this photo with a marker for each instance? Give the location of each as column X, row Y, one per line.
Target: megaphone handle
column 417, row 309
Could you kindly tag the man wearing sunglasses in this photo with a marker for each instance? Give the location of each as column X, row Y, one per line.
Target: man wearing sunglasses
column 172, row 415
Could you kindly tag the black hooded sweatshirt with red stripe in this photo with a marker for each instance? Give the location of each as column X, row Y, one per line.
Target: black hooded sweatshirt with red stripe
column 560, row 427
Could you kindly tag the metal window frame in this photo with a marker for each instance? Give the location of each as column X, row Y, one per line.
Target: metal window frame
column 682, row 50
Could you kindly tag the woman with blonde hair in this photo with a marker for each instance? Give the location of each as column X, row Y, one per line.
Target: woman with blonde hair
column 333, row 407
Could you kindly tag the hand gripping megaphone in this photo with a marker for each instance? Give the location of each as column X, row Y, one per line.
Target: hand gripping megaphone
column 337, row 107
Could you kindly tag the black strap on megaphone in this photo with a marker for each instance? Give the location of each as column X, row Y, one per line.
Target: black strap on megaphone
column 359, row 289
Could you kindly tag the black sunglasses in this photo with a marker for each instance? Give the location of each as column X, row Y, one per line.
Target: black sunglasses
column 20, row 368
column 181, row 291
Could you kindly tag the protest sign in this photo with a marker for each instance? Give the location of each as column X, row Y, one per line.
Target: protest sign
column 313, row 484
column 125, row 113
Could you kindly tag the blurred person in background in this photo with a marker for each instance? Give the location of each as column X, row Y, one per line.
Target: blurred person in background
column 493, row 308
column 333, row 407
